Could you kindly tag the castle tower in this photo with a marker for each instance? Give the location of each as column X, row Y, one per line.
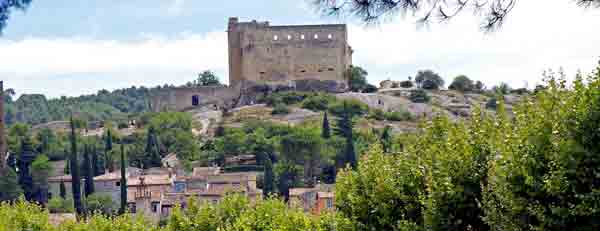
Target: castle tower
column 235, row 52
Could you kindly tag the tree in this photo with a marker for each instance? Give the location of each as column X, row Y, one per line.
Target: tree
column 462, row 83
column 357, row 77
column 302, row 147
column 7, row 6
column 89, row 171
column 24, row 162
column 152, row 149
column 75, row 178
column 207, row 78
column 479, row 86
column 501, row 89
column 325, row 130
column 269, row 181
column 386, row 139
column 344, row 129
column 123, row 204
column 9, row 185
column 108, row 140
column 97, row 166
column 493, row 12
column 427, row 79
column 40, row 171
column 62, row 190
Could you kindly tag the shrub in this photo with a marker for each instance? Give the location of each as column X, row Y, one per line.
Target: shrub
column 318, row 102
column 492, row 103
column 520, row 91
column 100, row 203
column 419, row 96
column 377, row 114
column 398, row 115
column 59, row 205
column 356, row 107
column 406, row 84
column 287, row 98
column 430, row 85
column 280, row 109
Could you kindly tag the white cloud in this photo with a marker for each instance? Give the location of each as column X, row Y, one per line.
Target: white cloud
column 70, row 66
column 538, row 35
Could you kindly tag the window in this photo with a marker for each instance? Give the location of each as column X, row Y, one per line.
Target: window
column 132, row 207
column 329, row 203
column 316, row 36
column 275, row 37
column 289, row 37
column 303, row 71
column 262, row 72
column 118, row 183
column 154, row 206
column 330, row 69
column 329, row 36
column 302, row 36
column 195, row 100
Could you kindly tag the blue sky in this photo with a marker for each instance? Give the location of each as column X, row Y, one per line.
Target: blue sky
column 60, row 47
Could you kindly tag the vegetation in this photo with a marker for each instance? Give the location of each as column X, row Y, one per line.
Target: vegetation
column 206, row 78
column 419, row 96
column 427, row 79
column 358, row 78
column 99, row 203
column 462, row 83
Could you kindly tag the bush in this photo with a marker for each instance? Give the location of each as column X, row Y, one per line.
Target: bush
column 398, row 116
column 419, row 96
column 244, row 168
column 319, row 102
column 520, row 91
column 100, row 203
column 287, row 98
column 357, row 107
column 430, row 85
column 406, row 84
column 280, row 109
column 377, row 114
column 59, row 205
column 492, row 103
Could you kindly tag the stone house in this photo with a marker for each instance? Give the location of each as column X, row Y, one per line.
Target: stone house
column 314, row 200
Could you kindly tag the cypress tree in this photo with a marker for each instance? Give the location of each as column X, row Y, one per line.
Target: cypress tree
column 123, row 182
column 25, row 159
column 9, row 185
column 386, row 139
column 63, row 190
column 269, row 181
column 89, row 174
column 325, row 131
column 152, row 149
column 344, row 129
column 75, row 178
column 107, row 148
column 95, row 162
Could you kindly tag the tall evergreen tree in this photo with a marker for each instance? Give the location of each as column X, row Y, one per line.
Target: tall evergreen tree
column 25, row 159
column 63, row 190
column 386, row 139
column 344, row 129
column 107, row 148
column 123, row 182
column 89, row 172
column 325, row 131
column 96, row 170
column 269, row 181
column 75, row 178
column 9, row 185
column 152, row 149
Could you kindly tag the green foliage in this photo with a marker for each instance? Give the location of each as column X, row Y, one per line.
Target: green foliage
column 427, row 79
column 352, row 107
column 357, row 78
column 318, row 102
column 462, row 83
column 344, row 129
column 419, row 96
column 269, row 179
column 99, row 203
column 26, row 158
column 10, row 189
column 325, row 129
column 206, row 78
column 23, row 216
column 243, row 168
column 76, row 180
column 280, row 109
column 285, row 97
column 60, row 205
column 123, row 189
column 501, row 89
column 88, row 174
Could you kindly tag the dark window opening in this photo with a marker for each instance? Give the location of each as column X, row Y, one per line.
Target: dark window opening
column 154, row 207
column 330, row 69
column 320, row 70
column 118, row 183
column 195, row 100
column 262, row 72
column 303, row 71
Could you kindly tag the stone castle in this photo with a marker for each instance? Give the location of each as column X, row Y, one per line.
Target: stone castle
column 265, row 58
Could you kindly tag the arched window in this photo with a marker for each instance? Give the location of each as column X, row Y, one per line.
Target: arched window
column 289, row 37
column 275, row 37
column 330, row 36
column 302, row 36
column 316, row 36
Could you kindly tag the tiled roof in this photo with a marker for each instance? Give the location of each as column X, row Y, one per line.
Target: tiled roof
column 149, row 180
column 325, row 194
column 300, row 191
column 205, row 171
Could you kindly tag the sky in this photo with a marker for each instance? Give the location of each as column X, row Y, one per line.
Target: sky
column 64, row 47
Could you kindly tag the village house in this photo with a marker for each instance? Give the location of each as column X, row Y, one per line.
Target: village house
column 315, row 200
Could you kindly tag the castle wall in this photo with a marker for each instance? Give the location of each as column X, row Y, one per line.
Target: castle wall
column 284, row 55
column 182, row 98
